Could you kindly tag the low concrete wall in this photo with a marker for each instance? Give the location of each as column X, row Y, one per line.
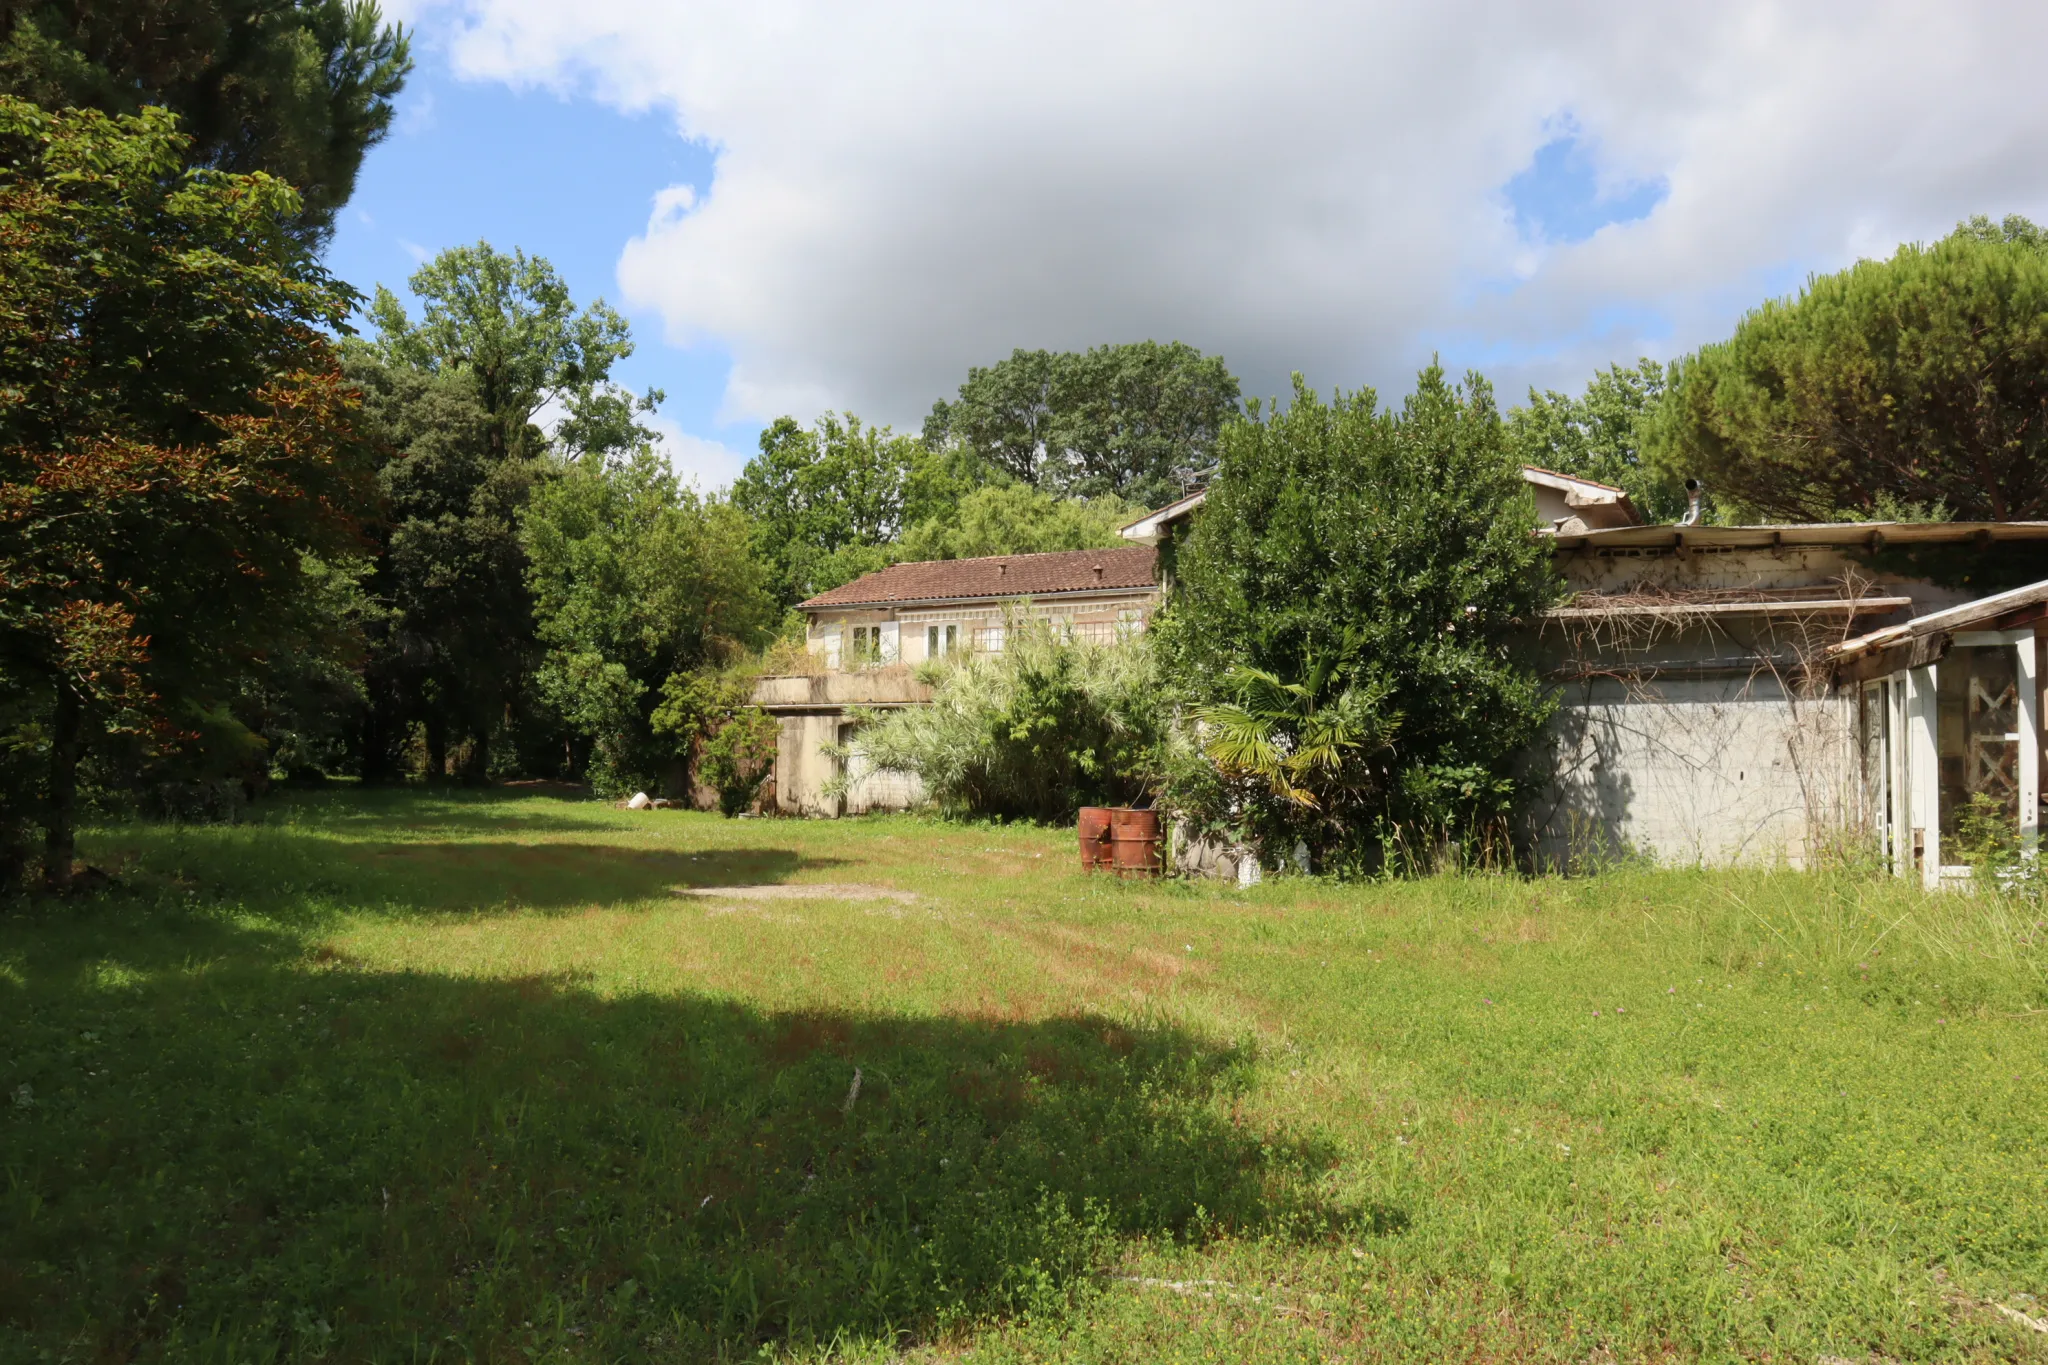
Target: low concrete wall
column 816, row 713
column 893, row 686
column 1698, row 771
column 878, row 791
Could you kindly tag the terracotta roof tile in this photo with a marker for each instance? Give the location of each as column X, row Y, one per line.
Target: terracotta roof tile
column 999, row 576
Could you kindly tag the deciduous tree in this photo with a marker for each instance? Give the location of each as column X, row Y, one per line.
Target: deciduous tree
column 635, row 578
column 455, row 394
column 1601, row 435
column 175, row 440
column 1132, row 420
column 829, row 502
column 1016, row 519
column 509, row 324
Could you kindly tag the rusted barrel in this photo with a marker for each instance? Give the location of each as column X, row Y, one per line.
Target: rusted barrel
column 1094, row 830
column 1134, row 838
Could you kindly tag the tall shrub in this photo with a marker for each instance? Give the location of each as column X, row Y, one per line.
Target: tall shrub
column 705, row 712
column 1382, row 563
column 1037, row 731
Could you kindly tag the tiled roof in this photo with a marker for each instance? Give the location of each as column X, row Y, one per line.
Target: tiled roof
column 999, row 576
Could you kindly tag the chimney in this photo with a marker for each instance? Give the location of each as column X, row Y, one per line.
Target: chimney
column 1098, row 573
column 1693, row 490
column 1002, row 568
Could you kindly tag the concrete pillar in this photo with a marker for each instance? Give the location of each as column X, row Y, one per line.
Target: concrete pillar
column 1898, row 803
column 789, row 759
column 1923, row 763
column 2030, row 743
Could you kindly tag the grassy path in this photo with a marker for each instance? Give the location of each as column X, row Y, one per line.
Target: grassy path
column 404, row 1076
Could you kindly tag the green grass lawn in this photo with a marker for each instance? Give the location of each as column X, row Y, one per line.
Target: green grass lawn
column 411, row 1076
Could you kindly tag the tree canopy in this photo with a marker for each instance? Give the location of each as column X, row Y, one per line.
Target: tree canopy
column 1134, row 420
column 828, row 502
column 176, row 443
column 451, row 640
column 1922, row 379
column 1601, row 435
column 1014, row 519
column 454, row 395
column 301, row 89
column 508, row 322
column 635, row 578
column 1359, row 582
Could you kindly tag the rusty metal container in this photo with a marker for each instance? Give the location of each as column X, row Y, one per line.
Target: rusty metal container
column 1134, row 840
column 1093, row 827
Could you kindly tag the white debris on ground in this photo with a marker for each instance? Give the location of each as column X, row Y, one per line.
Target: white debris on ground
column 2032, row 1324
column 805, row 891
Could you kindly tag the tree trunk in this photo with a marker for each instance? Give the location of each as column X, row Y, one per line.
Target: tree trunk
column 374, row 743
column 476, row 759
column 437, row 748
column 60, row 841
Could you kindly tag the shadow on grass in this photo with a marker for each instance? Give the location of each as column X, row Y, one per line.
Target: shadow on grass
column 553, row 808
column 292, row 872
column 274, row 1158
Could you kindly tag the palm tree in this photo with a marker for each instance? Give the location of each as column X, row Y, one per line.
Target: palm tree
column 1312, row 749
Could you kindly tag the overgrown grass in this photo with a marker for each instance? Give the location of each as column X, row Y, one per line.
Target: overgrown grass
column 441, row 1076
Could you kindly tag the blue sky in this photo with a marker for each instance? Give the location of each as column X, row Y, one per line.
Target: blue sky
column 1558, row 197
column 566, row 178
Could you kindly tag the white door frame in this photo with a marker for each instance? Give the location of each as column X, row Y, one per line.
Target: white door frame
column 1923, row 774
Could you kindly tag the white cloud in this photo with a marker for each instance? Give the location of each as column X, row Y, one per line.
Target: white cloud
column 419, row 254
column 671, row 206
column 909, row 187
column 697, row 460
column 417, row 114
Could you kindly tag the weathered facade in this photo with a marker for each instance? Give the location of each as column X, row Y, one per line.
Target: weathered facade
column 1949, row 717
column 1727, row 693
column 867, row 640
column 1702, row 718
column 1705, row 715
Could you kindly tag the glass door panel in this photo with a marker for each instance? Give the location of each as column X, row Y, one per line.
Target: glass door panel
column 1876, row 718
column 1977, row 735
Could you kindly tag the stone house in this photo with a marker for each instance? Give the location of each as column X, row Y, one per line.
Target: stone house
column 865, row 640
